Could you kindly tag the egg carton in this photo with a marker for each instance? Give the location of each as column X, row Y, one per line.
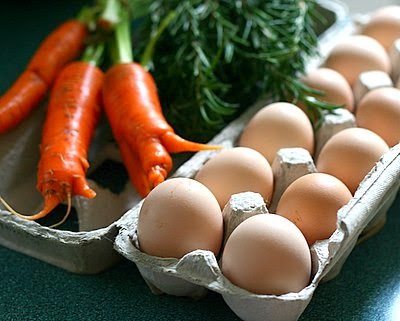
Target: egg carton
column 89, row 246
column 198, row 271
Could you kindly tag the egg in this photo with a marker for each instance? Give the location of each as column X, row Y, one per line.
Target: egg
column 350, row 154
column 275, row 126
column 236, row 170
column 379, row 111
column 267, row 254
column 312, row 202
column 336, row 90
column 178, row 216
column 384, row 25
column 355, row 54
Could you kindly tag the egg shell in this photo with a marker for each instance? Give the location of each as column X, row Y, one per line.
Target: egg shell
column 394, row 55
column 384, row 25
column 379, row 111
column 336, row 90
column 267, row 254
column 235, row 170
column 178, row 216
column 356, row 54
column 350, row 154
column 278, row 125
column 312, row 202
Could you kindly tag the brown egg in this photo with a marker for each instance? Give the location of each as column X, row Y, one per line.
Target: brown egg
column 235, row 170
column 178, row 216
column 356, row 54
column 350, row 154
column 267, row 254
column 379, row 111
column 384, row 25
column 335, row 87
column 278, row 125
column 312, row 202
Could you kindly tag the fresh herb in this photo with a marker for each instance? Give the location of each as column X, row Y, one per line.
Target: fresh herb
column 315, row 107
column 214, row 58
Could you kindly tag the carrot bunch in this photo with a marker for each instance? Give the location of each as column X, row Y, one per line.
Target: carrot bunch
column 134, row 112
column 78, row 91
column 144, row 137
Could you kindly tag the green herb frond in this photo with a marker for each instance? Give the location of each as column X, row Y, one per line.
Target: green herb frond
column 312, row 99
column 216, row 57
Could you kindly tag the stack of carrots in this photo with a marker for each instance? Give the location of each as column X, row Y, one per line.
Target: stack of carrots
column 68, row 67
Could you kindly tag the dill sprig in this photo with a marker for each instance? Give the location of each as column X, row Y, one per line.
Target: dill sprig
column 216, row 57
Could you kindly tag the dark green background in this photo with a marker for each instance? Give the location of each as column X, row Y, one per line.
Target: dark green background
column 368, row 287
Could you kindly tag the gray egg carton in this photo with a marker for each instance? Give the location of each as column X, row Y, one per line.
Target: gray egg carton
column 198, row 271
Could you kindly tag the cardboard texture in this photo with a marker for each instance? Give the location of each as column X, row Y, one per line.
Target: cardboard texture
column 199, row 269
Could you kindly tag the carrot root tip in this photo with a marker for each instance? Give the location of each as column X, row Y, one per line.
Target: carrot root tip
column 66, row 215
column 156, row 176
column 13, row 211
column 40, row 214
column 176, row 144
column 82, row 188
column 50, row 204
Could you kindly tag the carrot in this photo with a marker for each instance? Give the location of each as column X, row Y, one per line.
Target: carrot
column 64, row 44
column 72, row 115
column 133, row 109
column 61, row 46
column 17, row 103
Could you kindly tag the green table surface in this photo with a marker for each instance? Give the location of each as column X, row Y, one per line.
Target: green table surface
column 368, row 287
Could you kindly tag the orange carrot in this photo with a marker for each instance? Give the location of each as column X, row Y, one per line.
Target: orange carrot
column 64, row 44
column 72, row 115
column 21, row 99
column 133, row 109
column 61, row 46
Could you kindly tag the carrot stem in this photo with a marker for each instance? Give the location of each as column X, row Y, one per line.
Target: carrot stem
column 123, row 43
column 149, row 50
column 85, row 15
column 93, row 54
column 110, row 14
